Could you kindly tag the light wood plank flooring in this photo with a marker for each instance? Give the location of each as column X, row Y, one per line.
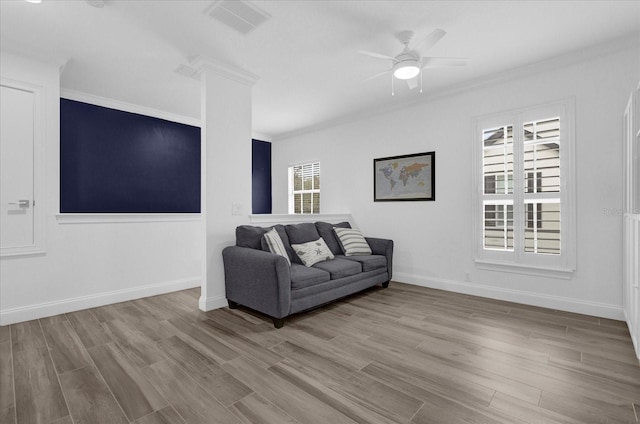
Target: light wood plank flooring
column 404, row 354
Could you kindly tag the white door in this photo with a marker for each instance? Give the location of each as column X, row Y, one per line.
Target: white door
column 17, row 128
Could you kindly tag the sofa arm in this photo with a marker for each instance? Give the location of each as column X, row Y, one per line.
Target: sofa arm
column 382, row 247
column 257, row 279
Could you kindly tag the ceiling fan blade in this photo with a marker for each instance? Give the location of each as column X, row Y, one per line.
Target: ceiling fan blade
column 376, row 55
column 434, row 62
column 412, row 83
column 377, row 75
column 431, row 39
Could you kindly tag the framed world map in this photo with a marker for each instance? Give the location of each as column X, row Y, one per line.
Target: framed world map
column 406, row 177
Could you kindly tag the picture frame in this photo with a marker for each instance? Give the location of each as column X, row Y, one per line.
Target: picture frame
column 405, row 178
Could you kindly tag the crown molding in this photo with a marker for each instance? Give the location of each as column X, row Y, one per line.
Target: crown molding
column 48, row 58
column 261, row 136
column 225, row 70
column 557, row 62
column 127, row 107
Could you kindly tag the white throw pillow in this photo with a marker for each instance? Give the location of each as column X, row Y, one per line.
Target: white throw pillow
column 275, row 244
column 352, row 241
column 313, row 252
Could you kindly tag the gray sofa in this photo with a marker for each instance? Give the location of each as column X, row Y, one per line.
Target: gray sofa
column 265, row 282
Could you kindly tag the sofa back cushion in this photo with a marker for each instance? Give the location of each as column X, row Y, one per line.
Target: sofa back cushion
column 299, row 234
column 325, row 230
column 252, row 237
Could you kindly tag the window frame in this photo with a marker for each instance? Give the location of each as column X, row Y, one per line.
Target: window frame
column 519, row 261
column 292, row 192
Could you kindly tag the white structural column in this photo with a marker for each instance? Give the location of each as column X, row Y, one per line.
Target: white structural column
column 226, row 166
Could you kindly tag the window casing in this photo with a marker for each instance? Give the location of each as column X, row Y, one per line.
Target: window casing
column 304, row 188
column 524, row 207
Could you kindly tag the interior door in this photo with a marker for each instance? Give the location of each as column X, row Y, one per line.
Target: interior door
column 17, row 130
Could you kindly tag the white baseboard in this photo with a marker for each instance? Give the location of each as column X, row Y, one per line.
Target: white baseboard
column 41, row 310
column 603, row 310
column 636, row 347
column 634, row 339
column 211, row 303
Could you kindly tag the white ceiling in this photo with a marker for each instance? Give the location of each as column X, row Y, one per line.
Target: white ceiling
column 306, row 54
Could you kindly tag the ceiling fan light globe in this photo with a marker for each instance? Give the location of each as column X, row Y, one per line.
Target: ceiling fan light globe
column 406, row 70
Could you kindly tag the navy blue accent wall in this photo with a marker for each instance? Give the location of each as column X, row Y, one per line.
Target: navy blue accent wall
column 261, row 177
column 119, row 162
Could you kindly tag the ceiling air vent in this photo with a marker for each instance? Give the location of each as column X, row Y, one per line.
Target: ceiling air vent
column 238, row 14
column 96, row 3
column 188, row 71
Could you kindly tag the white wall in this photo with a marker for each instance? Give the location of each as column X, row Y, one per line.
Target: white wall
column 433, row 240
column 90, row 264
column 226, row 120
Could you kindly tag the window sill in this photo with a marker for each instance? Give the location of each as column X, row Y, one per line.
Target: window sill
column 109, row 218
column 22, row 251
column 559, row 273
column 272, row 219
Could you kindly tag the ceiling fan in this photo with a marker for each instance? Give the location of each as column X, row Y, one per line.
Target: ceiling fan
column 409, row 63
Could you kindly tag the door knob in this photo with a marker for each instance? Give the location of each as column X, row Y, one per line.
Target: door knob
column 21, row 203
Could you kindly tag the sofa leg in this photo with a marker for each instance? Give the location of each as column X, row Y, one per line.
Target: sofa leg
column 278, row 322
column 385, row 285
column 232, row 304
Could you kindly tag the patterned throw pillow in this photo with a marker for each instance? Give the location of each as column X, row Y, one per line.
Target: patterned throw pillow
column 352, row 241
column 275, row 244
column 313, row 252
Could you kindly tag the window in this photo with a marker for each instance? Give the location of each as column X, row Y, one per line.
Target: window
column 304, row 188
column 524, row 198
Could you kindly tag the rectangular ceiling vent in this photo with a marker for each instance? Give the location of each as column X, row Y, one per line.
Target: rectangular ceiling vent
column 188, row 71
column 240, row 15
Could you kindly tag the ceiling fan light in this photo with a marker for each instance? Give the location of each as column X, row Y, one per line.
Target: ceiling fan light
column 406, row 70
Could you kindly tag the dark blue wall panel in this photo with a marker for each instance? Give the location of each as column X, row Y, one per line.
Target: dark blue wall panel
column 261, row 177
column 119, row 162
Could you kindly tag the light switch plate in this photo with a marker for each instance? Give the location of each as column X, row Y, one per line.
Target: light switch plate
column 236, row 209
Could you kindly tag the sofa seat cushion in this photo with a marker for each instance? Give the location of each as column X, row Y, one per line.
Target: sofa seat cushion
column 318, row 294
column 302, row 276
column 368, row 262
column 339, row 268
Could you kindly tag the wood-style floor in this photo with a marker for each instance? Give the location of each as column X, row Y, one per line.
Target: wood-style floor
column 402, row 355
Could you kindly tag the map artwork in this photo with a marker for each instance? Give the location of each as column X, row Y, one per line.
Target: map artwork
column 404, row 177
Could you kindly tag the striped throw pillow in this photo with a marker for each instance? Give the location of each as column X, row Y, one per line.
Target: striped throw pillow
column 352, row 241
column 275, row 244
